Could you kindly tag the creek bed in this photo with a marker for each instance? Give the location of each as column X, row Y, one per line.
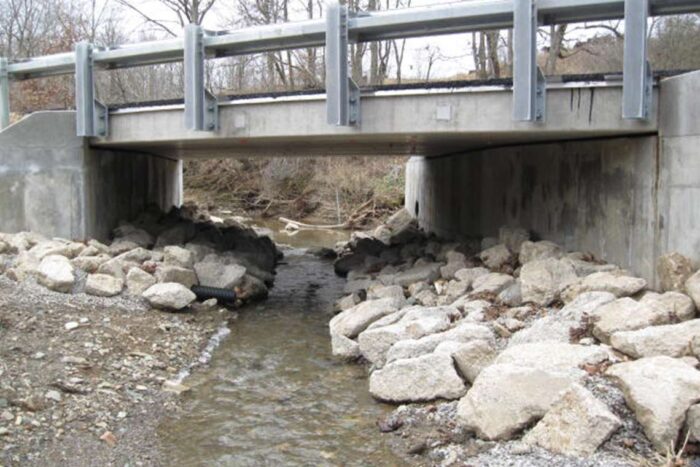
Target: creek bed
column 273, row 394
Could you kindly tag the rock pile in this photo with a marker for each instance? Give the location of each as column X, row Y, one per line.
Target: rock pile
column 157, row 257
column 518, row 331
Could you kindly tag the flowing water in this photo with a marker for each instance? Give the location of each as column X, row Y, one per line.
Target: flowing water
column 273, row 394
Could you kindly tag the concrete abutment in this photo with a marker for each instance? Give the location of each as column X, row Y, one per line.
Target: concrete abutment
column 626, row 199
column 54, row 183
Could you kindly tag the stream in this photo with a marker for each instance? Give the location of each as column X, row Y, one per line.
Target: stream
column 273, row 394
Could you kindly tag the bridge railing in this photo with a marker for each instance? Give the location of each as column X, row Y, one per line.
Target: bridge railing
column 335, row 32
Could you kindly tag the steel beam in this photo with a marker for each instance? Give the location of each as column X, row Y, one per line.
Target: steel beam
column 637, row 78
column 4, row 94
column 91, row 115
column 342, row 94
column 529, row 85
column 201, row 108
column 429, row 20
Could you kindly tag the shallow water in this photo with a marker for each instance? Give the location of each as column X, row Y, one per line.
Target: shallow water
column 273, row 394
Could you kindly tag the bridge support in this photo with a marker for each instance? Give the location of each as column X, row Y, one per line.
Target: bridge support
column 4, row 94
column 342, row 94
column 54, row 183
column 529, row 85
column 201, row 108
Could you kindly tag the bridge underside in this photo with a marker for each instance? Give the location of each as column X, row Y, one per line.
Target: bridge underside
column 412, row 122
column 624, row 190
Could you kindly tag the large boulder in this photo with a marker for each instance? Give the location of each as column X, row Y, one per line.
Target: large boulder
column 469, row 275
column 138, row 281
column 472, row 357
column 462, row 332
column 626, row 314
column 178, row 256
column 169, row 296
column 673, row 340
column 674, row 269
column 542, row 280
column 692, row 423
column 492, row 283
column 531, row 251
column 223, row 276
column 496, row 257
column 423, row 378
column 507, row 398
column 556, row 356
column 414, row 323
column 513, row 237
column 103, row 285
column 89, row 264
column 560, row 325
column 177, row 274
column 575, row 425
column 616, row 283
column 57, row 247
column 692, row 287
column 55, row 272
column 659, row 390
column 353, row 321
column 344, row 347
column 428, row 272
column 677, row 306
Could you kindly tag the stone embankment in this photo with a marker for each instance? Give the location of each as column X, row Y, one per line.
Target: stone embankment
column 543, row 353
column 158, row 257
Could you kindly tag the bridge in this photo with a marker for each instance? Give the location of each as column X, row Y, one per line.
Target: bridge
column 603, row 163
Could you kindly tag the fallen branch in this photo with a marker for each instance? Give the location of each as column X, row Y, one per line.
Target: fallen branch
column 302, row 226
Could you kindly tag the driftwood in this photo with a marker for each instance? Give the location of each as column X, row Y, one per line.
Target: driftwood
column 357, row 215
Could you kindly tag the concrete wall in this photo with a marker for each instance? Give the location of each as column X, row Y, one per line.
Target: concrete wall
column 628, row 200
column 52, row 182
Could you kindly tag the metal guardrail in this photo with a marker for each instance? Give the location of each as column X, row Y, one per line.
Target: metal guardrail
column 341, row 27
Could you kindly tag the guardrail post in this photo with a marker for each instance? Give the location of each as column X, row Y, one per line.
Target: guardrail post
column 201, row 107
column 91, row 115
column 637, row 80
column 4, row 94
column 342, row 94
column 529, row 85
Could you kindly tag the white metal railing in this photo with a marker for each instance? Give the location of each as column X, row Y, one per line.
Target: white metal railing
column 335, row 32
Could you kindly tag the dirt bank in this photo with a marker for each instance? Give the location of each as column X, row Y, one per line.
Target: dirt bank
column 83, row 380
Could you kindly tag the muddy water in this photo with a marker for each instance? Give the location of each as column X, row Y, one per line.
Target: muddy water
column 273, row 394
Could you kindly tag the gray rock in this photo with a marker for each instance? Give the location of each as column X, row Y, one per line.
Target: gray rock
column 427, row 298
column 462, row 332
column 614, row 282
column 353, row 321
column 660, row 390
column 511, row 295
column 423, row 273
column 692, row 288
column 554, row 356
column 507, row 398
column 414, row 323
column 448, row 271
column 348, row 302
column 56, row 247
column 673, row 340
column 557, row 326
column 178, row 256
column 89, row 264
column 387, row 291
column 513, row 237
column 493, row 283
column 692, row 423
column 103, row 285
column 251, row 289
column 357, row 286
column 469, row 275
column 496, row 256
column 169, row 296
column 212, row 274
column 344, row 347
column 625, row 314
column 424, row 378
column 677, row 305
column 114, row 267
column 531, row 251
column 136, row 255
column 186, row 277
column 674, row 270
column 542, row 280
column 55, row 272
column 575, row 425
column 138, row 281
column 472, row 357
column 127, row 233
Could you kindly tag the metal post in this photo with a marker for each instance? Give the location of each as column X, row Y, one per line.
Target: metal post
column 91, row 115
column 201, row 108
column 342, row 94
column 529, row 86
column 637, row 78
column 4, row 94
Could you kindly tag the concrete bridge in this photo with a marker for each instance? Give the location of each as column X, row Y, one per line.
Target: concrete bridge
column 604, row 163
